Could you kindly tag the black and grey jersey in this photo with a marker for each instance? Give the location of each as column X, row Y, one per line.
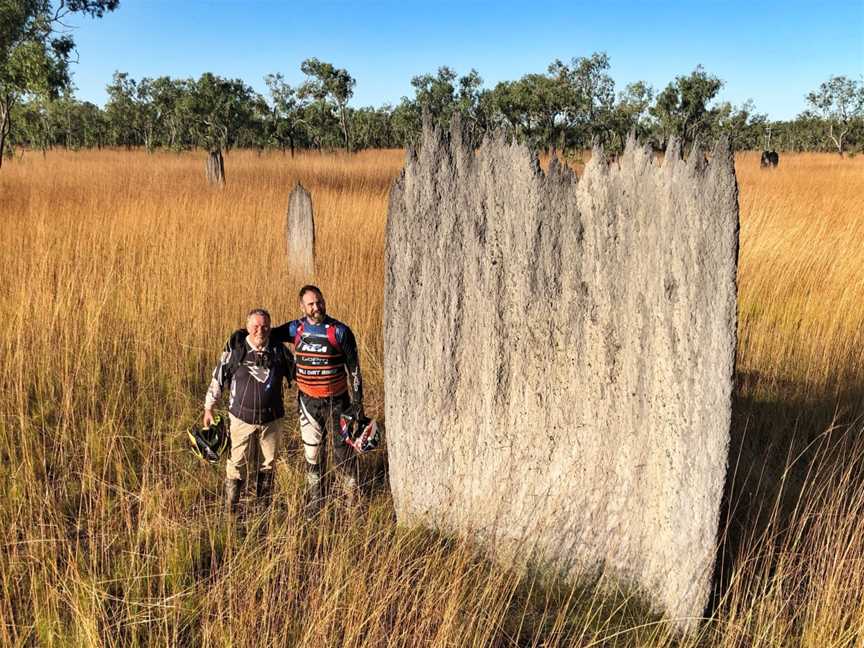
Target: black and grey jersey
column 255, row 379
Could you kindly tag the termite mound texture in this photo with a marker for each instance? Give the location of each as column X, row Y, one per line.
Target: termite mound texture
column 300, row 233
column 559, row 357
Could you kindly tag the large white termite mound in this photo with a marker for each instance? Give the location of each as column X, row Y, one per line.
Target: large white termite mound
column 559, row 356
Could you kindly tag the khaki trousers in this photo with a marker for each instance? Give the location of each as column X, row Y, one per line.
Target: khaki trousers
column 252, row 444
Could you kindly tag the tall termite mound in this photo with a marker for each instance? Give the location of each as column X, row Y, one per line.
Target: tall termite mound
column 559, row 356
column 300, row 234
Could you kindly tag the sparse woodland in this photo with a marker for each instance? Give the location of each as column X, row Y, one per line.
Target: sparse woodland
column 567, row 107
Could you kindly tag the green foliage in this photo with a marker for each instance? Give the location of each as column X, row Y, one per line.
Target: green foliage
column 34, row 54
column 285, row 118
column 569, row 107
column 631, row 114
column 744, row 128
column 682, row 109
column 221, row 111
column 122, row 110
column 372, row 127
column 331, row 88
column 840, row 100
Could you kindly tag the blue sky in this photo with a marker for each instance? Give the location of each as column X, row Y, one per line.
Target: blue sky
column 771, row 52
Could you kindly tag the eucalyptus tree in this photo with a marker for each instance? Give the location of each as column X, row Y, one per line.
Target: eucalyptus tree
column 445, row 94
column 122, row 109
column 33, row 125
column 332, row 89
column 166, row 98
column 134, row 112
column 435, row 94
column 744, row 128
column 630, row 114
column 219, row 110
column 321, row 126
column 567, row 106
column 406, row 123
column 373, row 127
column 533, row 108
column 589, row 98
column 285, row 121
column 63, row 121
column 840, row 102
column 682, row 110
column 35, row 50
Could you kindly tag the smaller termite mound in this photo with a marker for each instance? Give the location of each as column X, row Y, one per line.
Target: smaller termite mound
column 300, row 233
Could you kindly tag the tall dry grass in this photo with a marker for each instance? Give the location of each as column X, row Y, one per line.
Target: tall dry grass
column 122, row 274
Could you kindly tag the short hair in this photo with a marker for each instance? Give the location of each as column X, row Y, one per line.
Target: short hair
column 309, row 288
column 257, row 311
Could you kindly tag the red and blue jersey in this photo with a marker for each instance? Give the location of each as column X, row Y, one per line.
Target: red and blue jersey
column 325, row 356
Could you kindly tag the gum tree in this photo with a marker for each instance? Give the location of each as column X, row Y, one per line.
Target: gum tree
column 330, row 87
column 682, row 109
column 285, row 112
column 219, row 111
column 840, row 102
column 35, row 48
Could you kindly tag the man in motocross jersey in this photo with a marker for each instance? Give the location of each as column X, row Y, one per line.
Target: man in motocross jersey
column 329, row 383
column 254, row 368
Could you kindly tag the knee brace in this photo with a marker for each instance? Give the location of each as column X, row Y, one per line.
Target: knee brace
column 312, row 435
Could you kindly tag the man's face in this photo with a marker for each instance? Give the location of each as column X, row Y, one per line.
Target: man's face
column 313, row 306
column 258, row 327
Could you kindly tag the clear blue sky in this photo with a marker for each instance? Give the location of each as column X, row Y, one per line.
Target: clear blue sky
column 771, row 52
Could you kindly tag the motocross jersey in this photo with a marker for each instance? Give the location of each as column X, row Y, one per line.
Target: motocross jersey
column 255, row 377
column 326, row 359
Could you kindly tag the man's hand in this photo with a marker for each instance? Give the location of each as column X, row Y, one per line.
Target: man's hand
column 208, row 417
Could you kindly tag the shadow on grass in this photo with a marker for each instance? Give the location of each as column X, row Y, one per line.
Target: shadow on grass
column 787, row 441
column 505, row 605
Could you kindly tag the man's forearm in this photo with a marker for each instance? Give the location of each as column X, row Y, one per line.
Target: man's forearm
column 355, row 384
column 352, row 367
column 214, row 391
column 221, row 374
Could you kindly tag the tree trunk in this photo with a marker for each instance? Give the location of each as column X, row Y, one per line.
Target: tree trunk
column 345, row 130
column 838, row 141
column 215, row 167
column 5, row 127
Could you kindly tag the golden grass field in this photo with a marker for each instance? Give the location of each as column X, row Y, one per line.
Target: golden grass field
column 123, row 273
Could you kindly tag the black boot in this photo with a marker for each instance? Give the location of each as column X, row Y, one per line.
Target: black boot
column 232, row 494
column 264, row 488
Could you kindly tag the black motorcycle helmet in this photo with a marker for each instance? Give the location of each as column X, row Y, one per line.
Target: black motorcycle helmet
column 211, row 442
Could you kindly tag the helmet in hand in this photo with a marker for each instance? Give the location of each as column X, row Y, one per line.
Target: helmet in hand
column 359, row 431
column 211, row 442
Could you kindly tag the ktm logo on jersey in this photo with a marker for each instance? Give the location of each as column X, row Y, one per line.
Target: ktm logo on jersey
column 311, row 347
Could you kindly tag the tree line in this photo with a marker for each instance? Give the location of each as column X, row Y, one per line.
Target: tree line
column 568, row 107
